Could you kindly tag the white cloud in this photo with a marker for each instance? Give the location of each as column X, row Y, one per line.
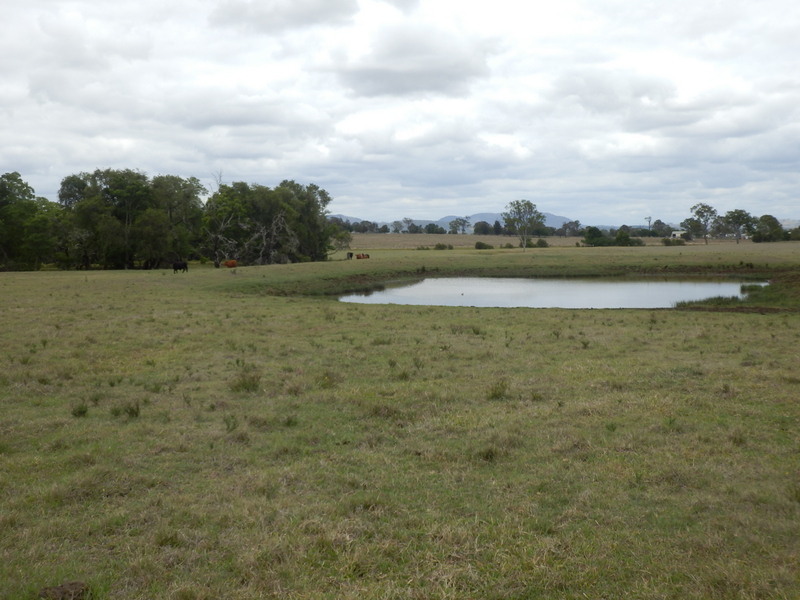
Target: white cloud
column 275, row 16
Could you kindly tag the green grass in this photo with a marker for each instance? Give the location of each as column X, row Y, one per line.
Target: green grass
column 267, row 444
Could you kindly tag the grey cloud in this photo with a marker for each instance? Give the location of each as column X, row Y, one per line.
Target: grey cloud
column 611, row 91
column 275, row 16
column 72, row 43
column 409, row 60
column 404, row 5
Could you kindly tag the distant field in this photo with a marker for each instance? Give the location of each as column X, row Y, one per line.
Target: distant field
column 215, row 434
column 407, row 240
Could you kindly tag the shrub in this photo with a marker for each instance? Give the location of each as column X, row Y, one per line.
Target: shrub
column 542, row 243
column 483, row 246
column 673, row 242
column 442, row 247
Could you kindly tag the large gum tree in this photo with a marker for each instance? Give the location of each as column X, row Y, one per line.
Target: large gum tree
column 522, row 217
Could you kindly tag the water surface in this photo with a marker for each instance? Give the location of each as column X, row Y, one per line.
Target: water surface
column 548, row 293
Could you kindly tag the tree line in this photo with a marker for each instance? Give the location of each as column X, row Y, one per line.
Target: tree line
column 119, row 219
column 706, row 222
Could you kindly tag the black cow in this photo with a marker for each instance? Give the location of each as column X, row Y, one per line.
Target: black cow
column 180, row 266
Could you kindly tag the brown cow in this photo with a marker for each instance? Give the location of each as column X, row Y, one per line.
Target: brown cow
column 231, row 264
column 362, row 255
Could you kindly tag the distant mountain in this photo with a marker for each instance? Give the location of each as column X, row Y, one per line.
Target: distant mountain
column 550, row 219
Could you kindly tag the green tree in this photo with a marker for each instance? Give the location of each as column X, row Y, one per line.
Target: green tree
column 310, row 224
column 152, row 233
column 16, row 198
column 705, row 216
column 27, row 225
column 482, row 228
column 693, row 228
column 40, row 239
column 522, row 217
column 738, row 222
column 434, row 228
column 224, row 215
column 660, row 228
column 72, row 190
column 180, row 200
column 102, row 195
column 768, row 229
column 593, row 236
column 258, row 225
column 459, row 225
column 572, row 228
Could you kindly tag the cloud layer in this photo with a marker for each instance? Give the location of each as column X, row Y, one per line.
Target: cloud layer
column 606, row 111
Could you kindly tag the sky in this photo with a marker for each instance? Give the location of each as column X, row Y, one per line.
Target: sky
column 602, row 111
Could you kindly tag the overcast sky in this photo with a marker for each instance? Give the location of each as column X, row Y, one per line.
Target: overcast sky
column 605, row 111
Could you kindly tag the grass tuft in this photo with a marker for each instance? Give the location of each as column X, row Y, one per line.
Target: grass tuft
column 80, row 410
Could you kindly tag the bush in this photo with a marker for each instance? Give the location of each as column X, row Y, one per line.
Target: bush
column 673, row 242
column 442, row 247
column 483, row 246
column 542, row 243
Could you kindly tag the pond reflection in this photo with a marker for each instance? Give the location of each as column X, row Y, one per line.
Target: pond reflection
column 549, row 293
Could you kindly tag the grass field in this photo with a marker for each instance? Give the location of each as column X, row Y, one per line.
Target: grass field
column 218, row 435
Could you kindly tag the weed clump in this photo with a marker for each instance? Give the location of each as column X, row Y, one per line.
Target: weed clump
column 329, row 380
column 231, row 422
column 248, row 380
column 80, row 410
column 132, row 409
column 498, row 390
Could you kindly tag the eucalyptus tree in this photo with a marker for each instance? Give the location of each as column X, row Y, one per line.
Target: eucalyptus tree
column 459, row 225
column 738, row 222
column 768, row 229
column 260, row 225
column 522, row 217
column 28, row 225
column 16, row 206
column 181, row 202
column 705, row 216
